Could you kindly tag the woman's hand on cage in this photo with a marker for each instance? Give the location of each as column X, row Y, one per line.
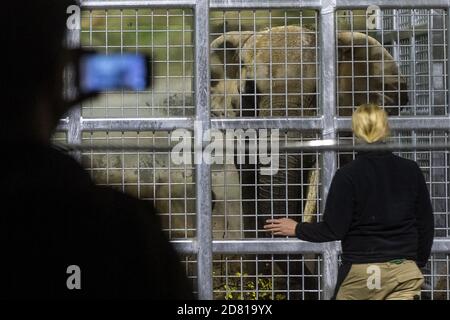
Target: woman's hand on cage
column 281, row 227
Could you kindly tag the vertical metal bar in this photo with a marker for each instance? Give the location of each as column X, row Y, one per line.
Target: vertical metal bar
column 168, row 61
column 447, row 25
column 122, row 94
column 74, row 134
column 413, row 62
column 203, row 170
column 448, row 276
column 330, row 270
column 430, row 57
column 328, row 99
column 108, row 111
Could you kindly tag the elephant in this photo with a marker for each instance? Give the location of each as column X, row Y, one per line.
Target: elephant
column 273, row 73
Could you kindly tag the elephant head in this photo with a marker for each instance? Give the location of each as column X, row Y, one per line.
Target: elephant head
column 279, row 67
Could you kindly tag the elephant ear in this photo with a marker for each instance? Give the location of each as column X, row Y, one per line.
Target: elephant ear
column 384, row 74
column 354, row 45
column 225, row 62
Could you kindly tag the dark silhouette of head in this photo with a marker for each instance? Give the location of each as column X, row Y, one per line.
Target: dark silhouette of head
column 33, row 67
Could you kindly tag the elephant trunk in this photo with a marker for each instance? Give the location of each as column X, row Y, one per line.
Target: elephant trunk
column 280, row 195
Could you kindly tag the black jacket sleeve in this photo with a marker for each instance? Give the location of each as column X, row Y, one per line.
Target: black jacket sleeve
column 338, row 213
column 424, row 221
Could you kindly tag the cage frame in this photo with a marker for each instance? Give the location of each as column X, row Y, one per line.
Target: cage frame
column 329, row 124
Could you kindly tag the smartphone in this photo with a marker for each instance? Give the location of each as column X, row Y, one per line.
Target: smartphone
column 100, row 72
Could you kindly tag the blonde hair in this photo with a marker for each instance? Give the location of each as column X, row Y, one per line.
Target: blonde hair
column 370, row 123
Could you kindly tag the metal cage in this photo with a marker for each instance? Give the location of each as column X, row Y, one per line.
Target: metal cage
column 203, row 212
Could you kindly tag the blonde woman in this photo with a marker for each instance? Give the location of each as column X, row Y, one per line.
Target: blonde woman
column 379, row 207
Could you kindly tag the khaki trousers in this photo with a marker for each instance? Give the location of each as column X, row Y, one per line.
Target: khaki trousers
column 398, row 280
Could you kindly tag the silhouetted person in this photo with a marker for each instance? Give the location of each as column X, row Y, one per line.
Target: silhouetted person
column 53, row 216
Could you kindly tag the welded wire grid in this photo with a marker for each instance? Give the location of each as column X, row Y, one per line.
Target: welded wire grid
column 244, row 198
column 262, row 277
column 410, row 77
column 164, row 34
column 264, row 63
column 150, row 176
column 435, row 166
column 190, row 265
column 417, row 47
column 437, row 278
column 266, row 277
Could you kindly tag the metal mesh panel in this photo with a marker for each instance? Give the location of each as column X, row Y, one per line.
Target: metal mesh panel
column 437, row 278
column 264, row 63
column 149, row 176
column 399, row 63
column 164, row 34
column 244, row 198
column 266, row 277
column 435, row 166
column 262, row 277
column 189, row 263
